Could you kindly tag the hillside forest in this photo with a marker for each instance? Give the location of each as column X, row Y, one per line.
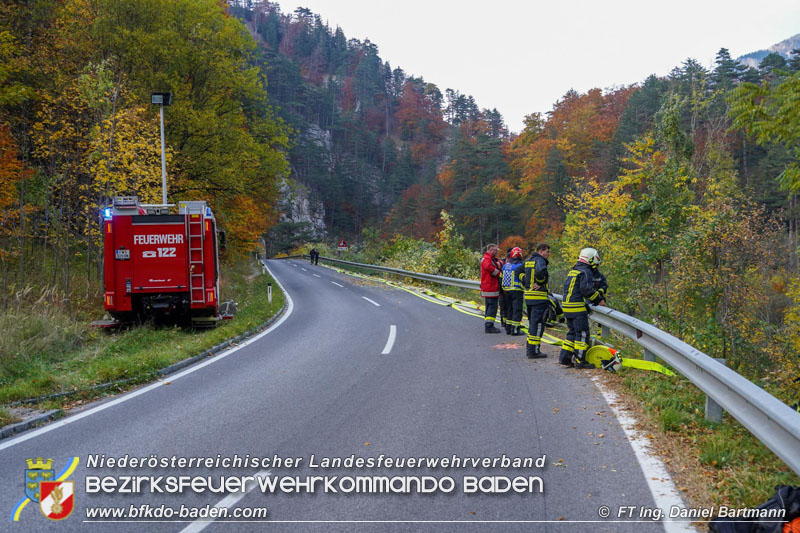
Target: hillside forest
column 686, row 183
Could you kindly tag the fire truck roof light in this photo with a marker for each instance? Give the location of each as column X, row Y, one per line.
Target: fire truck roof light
column 107, row 213
column 126, row 201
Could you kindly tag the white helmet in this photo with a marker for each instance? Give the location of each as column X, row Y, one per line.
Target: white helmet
column 589, row 256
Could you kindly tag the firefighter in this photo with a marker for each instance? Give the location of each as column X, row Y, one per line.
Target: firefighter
column 490, row 286
column 536, row 298
column 504, row 309
column 513, row 274
column 584, row 284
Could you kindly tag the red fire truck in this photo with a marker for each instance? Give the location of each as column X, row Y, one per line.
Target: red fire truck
column 161, row 265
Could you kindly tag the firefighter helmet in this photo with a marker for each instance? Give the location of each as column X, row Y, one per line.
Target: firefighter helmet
column 589, row 256
column 516, row 252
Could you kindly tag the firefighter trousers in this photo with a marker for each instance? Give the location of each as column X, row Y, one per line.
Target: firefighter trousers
column 536, row 323
column 491, row 311
column 514, row 306
column 577, row 341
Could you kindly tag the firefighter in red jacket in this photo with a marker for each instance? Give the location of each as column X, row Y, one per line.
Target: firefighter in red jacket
column 490, row 286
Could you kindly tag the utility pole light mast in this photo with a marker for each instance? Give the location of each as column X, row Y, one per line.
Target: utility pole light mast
column 162, row 99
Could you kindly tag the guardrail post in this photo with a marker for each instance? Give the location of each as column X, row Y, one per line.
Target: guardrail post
column 713, row 409
column 649, row 356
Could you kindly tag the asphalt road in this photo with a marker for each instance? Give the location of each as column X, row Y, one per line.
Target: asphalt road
column 322, row 383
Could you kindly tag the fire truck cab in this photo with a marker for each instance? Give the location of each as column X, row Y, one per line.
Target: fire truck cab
column 161, row 265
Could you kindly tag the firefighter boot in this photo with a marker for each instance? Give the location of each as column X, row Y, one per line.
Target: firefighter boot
column 535, row 351
column 509, row 328
column 489, row 328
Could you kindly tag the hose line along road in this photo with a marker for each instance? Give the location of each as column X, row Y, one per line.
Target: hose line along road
column 365, row 370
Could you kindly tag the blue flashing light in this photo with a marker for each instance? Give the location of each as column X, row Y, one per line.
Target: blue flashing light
column 107, row 213
column 208, row 211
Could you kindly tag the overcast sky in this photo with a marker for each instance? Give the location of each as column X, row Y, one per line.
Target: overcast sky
column 522, row 56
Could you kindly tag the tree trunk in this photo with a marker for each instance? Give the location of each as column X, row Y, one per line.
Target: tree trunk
column 744, row 160
column 480, row 230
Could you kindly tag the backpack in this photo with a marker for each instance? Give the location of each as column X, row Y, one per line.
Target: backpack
column 786, row 498
column 553, row 313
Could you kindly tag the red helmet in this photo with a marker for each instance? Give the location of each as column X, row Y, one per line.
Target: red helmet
column 516, row 252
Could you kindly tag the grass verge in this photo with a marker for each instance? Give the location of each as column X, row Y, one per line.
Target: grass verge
column 45, row 351
column 713, row 463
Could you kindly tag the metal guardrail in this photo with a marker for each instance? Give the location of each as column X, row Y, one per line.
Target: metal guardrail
column 770, row 420
column 773, row 422
column 453, row 282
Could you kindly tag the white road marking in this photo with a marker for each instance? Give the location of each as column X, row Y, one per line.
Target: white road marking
column 373, row 302
column 74, row 418
column 390, row 341
column 227, row 502
column 317, row 275
column 303, row 269
column 337, row 284
column 658, row 479
column 293, row 265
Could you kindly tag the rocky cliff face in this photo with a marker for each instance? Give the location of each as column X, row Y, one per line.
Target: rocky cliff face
column 296, row 206
column 784, row 48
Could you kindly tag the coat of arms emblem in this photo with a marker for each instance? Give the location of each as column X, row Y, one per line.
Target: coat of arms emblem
column 38, row 470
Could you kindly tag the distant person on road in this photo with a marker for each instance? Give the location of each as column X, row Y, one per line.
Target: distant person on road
column 513, row 272
column 490, row 286
column 537, row 280
column 314, row 256
column 584, row 284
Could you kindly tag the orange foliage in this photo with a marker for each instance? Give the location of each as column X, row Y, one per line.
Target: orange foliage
column 11, row 172
column 516, row 240
column 243, row 220
column 415, row 213
column 445, row 178
column 576, row 133
column 541, row 230
column 577, row 125
column 420, row 122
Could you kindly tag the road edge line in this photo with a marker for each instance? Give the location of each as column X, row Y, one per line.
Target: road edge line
column 665, row 494
column 13, row 441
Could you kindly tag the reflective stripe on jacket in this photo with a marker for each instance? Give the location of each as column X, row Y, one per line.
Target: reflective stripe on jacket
column 513, row 274
column 536, row 272
column 490, row 282
column 582, row 284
